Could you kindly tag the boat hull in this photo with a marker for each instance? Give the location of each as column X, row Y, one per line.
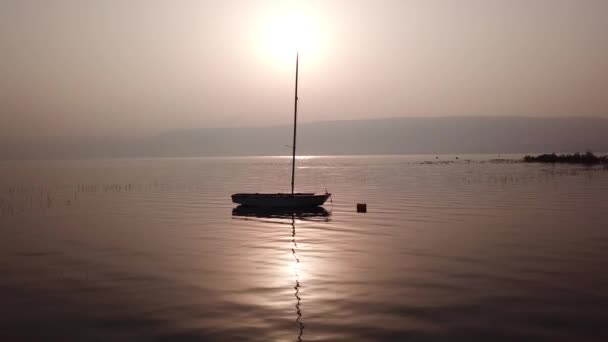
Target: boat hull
column 280, row 200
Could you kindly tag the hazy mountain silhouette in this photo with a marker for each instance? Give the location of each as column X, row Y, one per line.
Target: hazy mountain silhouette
column 378, row 136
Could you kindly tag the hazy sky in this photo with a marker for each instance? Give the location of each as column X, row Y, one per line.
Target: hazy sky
column 84, row 67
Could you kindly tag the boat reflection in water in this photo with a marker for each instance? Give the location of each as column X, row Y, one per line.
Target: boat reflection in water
column 317, row 214
column 288, row 217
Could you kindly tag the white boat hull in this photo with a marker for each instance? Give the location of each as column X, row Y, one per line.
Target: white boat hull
column 280, row 200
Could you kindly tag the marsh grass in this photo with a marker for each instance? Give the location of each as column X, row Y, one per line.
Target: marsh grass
column 576, row 158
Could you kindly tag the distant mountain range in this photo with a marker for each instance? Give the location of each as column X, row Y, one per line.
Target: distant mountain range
column 379, row 136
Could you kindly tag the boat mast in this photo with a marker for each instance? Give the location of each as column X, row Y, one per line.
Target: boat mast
column 295, row 124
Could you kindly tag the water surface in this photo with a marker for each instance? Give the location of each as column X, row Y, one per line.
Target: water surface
column 451, row 249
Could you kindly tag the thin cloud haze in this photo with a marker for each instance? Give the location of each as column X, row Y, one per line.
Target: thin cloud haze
column 114, row 68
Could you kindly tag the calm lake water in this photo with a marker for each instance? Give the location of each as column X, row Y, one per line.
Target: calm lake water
column 450, row 249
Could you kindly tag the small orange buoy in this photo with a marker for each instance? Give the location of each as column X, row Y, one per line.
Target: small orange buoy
column 361, row 207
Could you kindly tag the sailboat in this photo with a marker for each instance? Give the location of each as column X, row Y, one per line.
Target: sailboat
column 294, row 199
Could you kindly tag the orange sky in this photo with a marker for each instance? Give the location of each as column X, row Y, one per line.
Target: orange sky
column 73, row 67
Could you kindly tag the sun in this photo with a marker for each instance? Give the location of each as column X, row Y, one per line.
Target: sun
column 287, row 34
column 287, row 30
